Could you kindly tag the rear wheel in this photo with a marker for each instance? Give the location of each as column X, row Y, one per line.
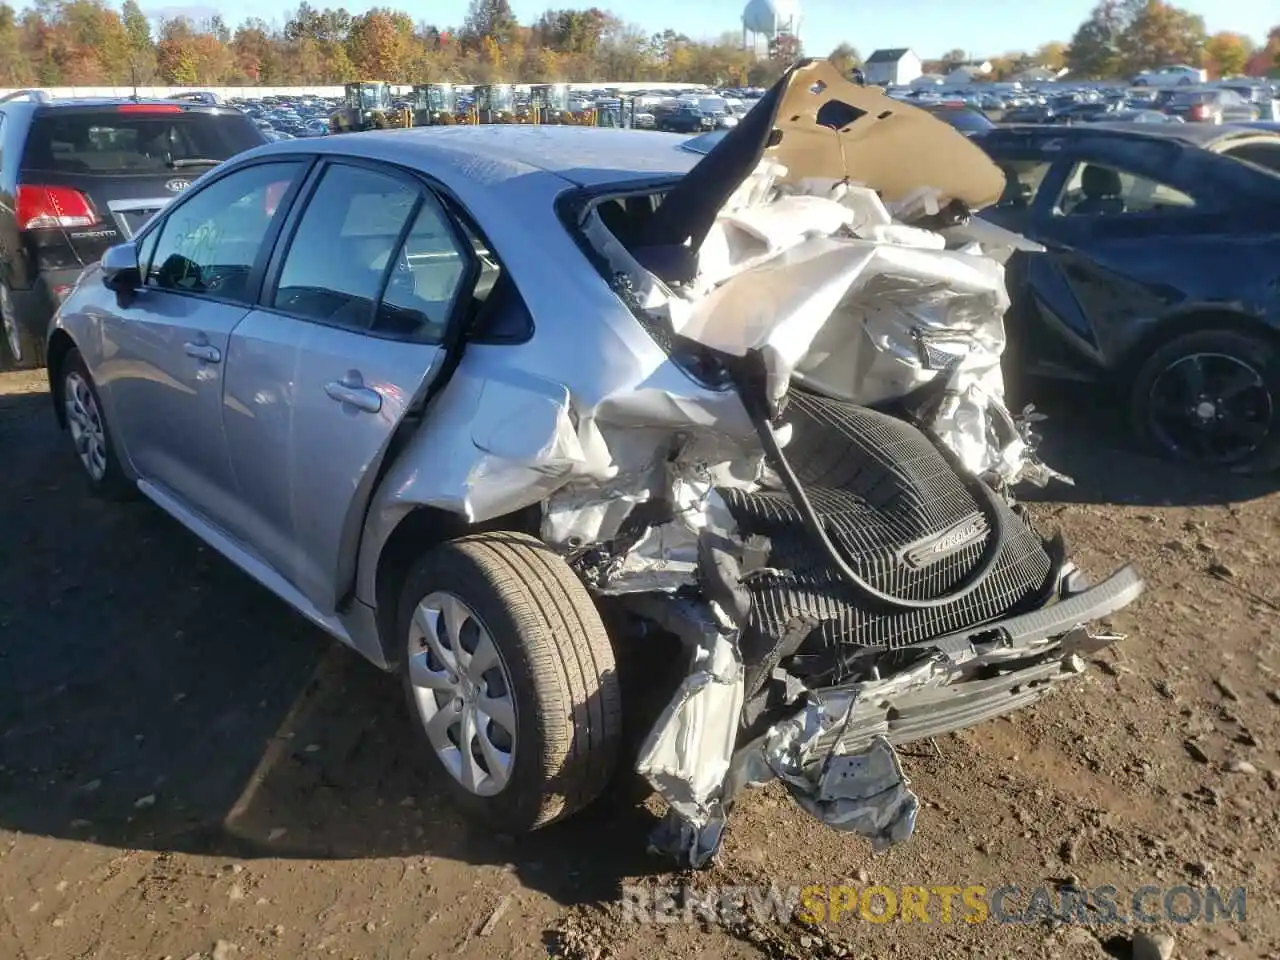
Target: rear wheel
column 21, row 349
column 510, row 673
column 1211, row 398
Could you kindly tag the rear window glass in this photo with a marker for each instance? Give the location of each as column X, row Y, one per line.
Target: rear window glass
column 109, row 142
column 1190, row 99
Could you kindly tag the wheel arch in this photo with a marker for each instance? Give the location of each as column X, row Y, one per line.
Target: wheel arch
column 60, row 345
column 1190, row 321
column 417, row 531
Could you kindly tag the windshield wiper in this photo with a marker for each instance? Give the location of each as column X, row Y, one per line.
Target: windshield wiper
column 189, row 162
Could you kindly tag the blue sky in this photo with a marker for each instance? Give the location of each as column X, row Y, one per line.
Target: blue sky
column 930, row 27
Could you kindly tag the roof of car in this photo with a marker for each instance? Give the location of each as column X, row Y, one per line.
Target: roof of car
column 1206, row 135
column 587, row 156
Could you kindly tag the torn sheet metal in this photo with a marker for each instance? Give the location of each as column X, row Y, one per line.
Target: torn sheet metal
column 687, row 754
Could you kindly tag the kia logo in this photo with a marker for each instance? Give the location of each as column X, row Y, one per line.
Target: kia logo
column 177, row 186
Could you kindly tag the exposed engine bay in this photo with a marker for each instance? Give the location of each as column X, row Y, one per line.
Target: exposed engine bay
column 835, row 540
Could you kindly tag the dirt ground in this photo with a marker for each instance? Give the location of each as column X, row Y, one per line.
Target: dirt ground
column 189, row 770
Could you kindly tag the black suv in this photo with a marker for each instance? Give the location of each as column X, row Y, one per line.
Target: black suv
column 78, row 176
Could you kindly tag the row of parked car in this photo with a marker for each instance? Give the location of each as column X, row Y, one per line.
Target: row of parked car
column 86, row 174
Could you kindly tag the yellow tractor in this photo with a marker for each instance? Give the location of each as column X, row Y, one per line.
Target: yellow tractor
column 434, row 105
column 367, row 107
column 548, row 103
column 493, row 103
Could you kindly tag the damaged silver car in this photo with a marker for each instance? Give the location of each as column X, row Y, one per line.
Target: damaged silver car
column 518, row 412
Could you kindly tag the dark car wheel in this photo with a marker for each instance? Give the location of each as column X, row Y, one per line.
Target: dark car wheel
column 91, row 438
column 510, row 674
column 19, row 348
column 1211, row 398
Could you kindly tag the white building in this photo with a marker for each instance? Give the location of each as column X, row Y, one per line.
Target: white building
column 969, row 72
column 895, row 67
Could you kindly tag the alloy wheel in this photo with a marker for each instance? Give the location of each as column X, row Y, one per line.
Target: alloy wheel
column 85, row 421
column 462, row 690
column 11, row 333
column 1212, row 408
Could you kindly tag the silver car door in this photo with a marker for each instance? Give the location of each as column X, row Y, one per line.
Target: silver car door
column 164, row 345
column 321, row 375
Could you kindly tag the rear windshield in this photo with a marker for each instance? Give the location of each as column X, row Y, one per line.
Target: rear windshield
column 1191, row 99
column 111, row 142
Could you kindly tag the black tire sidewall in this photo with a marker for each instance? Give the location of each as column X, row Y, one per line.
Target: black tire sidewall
column 1257, row 350
column 516, row 807
column 32, row 346
column 114, row 485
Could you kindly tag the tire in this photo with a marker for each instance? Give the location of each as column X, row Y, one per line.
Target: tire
column 20, row 349
column 1238, row 368
column 83, row 408
column 555, row 670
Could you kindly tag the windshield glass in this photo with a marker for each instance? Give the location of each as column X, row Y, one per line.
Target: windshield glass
column 501, row 98
column 371, row 96
column 108, row 142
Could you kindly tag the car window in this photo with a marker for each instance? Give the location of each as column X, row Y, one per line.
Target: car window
column 208, row 244
column 1264, row 154
column 134, row 139
column 1022, row 179
column 966, row 121
column 340, row 251
column 426, row 279
column 1094, row 189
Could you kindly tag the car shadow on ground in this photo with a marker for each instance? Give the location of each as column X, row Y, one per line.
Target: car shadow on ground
column 152, row 697
column 1087, row 438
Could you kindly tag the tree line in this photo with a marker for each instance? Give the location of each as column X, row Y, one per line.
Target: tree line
column 90, row 42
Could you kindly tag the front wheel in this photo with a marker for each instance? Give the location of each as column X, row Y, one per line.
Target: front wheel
column 510, row 674
column 1211, row 398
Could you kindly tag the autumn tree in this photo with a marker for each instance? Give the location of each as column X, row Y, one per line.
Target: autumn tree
column 1051, row 56
column 1160, row 34
column 1095, row 51
column 952, row 59
column 489, row 18
column 1226, row 54
column 1266, row 60
column 15, row 68
column 379, row 44
column 845, row 57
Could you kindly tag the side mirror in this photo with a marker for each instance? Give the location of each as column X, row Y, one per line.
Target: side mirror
column 120, row 267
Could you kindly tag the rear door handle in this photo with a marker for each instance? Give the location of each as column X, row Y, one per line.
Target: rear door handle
column 359, row 396
column 203, row 351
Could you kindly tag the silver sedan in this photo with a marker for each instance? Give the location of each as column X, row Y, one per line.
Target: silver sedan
column 430, row 388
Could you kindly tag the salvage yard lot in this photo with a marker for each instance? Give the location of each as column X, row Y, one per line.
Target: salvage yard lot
column 188, row 768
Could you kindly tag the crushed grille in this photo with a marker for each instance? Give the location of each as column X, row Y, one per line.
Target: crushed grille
column 879, row 485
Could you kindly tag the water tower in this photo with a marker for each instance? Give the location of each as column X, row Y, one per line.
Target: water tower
column 765, row 22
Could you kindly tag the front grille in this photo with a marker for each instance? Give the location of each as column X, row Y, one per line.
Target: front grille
column 879, row 486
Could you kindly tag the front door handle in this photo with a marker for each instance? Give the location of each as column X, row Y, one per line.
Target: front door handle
column 203, row 351
column 357, row 395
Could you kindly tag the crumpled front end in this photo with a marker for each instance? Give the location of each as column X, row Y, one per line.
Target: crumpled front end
column 819, row 505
